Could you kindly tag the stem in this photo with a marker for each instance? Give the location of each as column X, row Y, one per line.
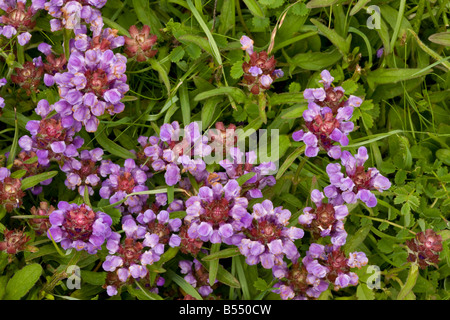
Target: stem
column 67, row 36
column 384, row 220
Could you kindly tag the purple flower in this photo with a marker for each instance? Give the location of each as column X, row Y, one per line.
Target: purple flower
column 326, row 219
column 268, row 239
column 356, row 183
column 237, row 166
column 327, row 119
column 121, row 182
column 197, row 276
column 83, row 173
column 79, row 227
column 52, row 139
column 217, row 213
column 247, row 44
column 94, row 84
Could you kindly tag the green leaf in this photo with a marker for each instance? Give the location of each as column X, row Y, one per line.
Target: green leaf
column 410, row 282
column 22, row 281
column 314, row 60
column 320, row 3
column 96, row 278
column 363, row 292
column 244, row 178
column 237, row 94
column 236, row 71
column 14, row 145
column 111, row 146
column 358, row 6
column 339, row 42
column 183, row 284
column 34, row 180
column 442, row 38
column 214, row 264
column 146, row 15
column 254, row 8
column 289, row 160
column 222, row 254
column 394, row 75
column 353, row 241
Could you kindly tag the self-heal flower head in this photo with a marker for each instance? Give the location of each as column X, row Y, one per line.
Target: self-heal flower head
column 259, row 70
column 424, row 248
column 331, row 264
column 237, row 165
column 327, row 120
column 83, row 172
column 79, row 227
column 325, row 220
column 71, row 14
column 161, row 225
column 356, row 183
column 176, row 151
column 93, row 85
column 11, row 193
column 298, row 282
column 52, row 139
column 268, row 239
column 19, row 18
column 121, row 182
column 215, row 214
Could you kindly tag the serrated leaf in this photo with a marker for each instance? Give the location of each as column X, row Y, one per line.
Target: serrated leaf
column 22, row 281
column 299, row 9
column 236, row 71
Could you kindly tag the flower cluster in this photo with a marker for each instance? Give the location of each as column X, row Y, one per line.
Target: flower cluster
column 217, row 213
column 120, row 182
column 259, row 71
column 268, row 239
column 69, row 15
column 325, row 220
column 145, row 241
column 327, row 118
column 19, row 18
column 424, row 248
column 322, row 266
column 197, row 276
column 52, row 138
column 11, row 193
column 356, row 183
column 94, row 83
column 79, row 227
column 83, row 173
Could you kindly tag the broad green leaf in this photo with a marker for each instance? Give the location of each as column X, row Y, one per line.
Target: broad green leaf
column 284, row 98
column 394, row 75
column 339, row 42
column 315, row 60
column 363, row 292
column 254, row 8
column 289, row 160
column 237, row 94
column 22, row 281
column 442, row 38
column 410, row 282
column 358, row 6
column 95, row 278
column 320, row 3
column 353, row 241
column 34, row 180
